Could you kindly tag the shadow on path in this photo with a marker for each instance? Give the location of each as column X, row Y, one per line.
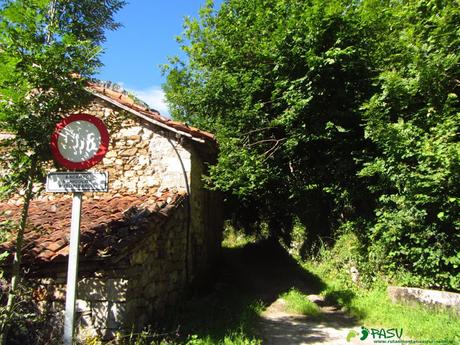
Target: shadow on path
column 251, row 279
column 265, row 270
column 277, row 326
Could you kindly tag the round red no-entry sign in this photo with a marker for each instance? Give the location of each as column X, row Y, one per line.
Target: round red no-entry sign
column 79, row 141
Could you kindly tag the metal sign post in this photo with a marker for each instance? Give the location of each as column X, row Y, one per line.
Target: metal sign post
column 72, row 270
column 76, row 182
column 79, row 142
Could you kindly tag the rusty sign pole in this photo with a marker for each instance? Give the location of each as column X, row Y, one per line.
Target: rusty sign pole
column 72, row 270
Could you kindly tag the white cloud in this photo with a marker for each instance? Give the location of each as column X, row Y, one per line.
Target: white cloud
column 154, row 97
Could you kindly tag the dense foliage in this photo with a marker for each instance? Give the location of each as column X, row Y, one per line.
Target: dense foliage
column 414, row 121
column 339, row 114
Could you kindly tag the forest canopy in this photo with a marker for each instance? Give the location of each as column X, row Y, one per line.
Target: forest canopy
column 342, row 115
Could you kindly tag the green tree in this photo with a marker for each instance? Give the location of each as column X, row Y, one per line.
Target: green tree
column 48, row 48
column 281, row 84
column 341, row 113
column 413, row 119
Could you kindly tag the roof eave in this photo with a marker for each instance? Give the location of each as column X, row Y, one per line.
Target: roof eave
column 147, row 117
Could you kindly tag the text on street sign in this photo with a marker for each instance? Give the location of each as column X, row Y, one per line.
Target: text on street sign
column 63, row 182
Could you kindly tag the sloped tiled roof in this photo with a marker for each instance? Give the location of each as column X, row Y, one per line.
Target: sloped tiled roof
column 108, row 226
column 123, row 100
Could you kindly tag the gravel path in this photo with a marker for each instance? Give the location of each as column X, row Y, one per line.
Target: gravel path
column 278, row 326
column 265, row 271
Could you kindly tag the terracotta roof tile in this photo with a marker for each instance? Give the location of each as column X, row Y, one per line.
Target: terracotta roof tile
column 107, row 225
column 155, row 115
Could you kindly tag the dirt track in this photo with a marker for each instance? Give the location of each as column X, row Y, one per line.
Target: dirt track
column 280, row 327
column 267, row 271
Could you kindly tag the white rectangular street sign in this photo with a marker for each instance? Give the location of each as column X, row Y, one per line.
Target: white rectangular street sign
column 88, row 181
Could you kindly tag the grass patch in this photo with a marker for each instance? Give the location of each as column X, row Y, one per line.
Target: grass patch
column 224, row 316
column 234, row 238
column 372, row 306
column 232, row 339
column 298, row 302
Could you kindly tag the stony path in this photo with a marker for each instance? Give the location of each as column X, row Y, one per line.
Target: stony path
column 278, row 326
column 266, row 271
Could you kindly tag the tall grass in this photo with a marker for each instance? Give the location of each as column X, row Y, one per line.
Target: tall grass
column 298, row 302
column 369, row 301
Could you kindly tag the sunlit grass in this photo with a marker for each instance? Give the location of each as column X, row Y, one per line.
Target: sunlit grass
column 373, row 308
column 232, row 339
column 298, row 302
column 233, row 238
column 419, row 322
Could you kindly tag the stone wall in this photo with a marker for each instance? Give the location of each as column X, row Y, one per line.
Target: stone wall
column 126, row 295
column 144, row 159
column 430, row 298
column 206, row 222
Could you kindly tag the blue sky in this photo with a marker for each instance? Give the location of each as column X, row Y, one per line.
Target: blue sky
column 133, row 53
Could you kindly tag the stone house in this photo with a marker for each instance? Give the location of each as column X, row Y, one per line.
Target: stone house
column 154, row 233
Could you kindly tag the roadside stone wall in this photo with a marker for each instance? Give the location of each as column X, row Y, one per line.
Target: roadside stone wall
column 431, row 298
column 125, row 296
